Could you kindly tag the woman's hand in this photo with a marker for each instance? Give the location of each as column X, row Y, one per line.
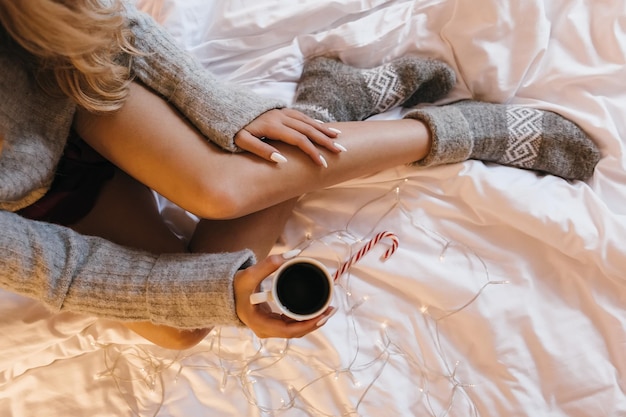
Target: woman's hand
column 259, row 318
column 289, row 126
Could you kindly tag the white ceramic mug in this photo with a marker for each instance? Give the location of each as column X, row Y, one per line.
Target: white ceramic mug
column 302, row 289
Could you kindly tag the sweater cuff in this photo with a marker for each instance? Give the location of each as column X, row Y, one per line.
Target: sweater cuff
column 450, row 132
column 180, row 292
column 216, row 108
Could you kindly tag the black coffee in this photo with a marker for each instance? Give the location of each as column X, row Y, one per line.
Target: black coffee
column 302, row 288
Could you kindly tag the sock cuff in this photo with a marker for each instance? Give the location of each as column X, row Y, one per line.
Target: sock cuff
column 451, row 137
column 509, row 135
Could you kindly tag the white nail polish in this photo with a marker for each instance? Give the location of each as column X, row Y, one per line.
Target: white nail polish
column 318, row 121
column 334, row 130
column 278, row 158
column 323, row 160
column 340, row 147
column 291, row 254
column 325, row 319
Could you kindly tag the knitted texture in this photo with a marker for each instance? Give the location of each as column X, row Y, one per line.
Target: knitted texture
column 332, row 91
column 67, row 271
column 35, row 127
column 218, row 109
column 510, row 135
column 70, row 272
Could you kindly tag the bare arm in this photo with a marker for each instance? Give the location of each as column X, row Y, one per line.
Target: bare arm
column 151, row 141
column 218, row 109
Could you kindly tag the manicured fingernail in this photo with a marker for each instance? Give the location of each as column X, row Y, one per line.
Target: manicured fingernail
column 323, row 161
column 340, row 147
column 332, row 129
column 318, row 121
column 292, row 253
column 278, row 158
column 323, row 320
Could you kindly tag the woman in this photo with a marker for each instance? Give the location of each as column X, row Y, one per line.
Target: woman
column 72, row 64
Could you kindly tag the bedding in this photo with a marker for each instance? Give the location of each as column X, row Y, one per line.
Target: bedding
column 506, row 294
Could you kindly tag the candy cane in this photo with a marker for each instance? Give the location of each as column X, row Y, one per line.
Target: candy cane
column 357, row 256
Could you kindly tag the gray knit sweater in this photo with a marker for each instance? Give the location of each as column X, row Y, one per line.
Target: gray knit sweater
column 68, row 271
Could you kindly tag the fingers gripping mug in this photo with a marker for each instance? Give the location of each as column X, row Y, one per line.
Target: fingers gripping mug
column 302, row 289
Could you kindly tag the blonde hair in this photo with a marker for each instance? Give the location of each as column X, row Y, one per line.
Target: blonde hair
column 80, row 48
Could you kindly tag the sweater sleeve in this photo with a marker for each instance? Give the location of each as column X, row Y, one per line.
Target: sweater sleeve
column 89, row 275
column 216, row 108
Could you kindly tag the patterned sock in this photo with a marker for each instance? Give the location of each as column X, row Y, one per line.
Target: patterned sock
column 509, row 135
column 330, row 90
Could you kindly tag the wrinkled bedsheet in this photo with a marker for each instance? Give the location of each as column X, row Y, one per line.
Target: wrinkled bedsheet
column 506, row 295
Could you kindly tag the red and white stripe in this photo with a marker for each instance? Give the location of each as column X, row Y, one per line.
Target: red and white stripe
column 357, row 256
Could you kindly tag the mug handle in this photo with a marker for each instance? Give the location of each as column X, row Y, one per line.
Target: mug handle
column 260, row 297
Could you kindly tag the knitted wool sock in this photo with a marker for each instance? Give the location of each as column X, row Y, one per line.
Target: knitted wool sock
column 509, row 135
column 331, row 91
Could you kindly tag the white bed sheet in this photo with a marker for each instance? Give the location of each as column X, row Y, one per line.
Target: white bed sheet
column 506, row 296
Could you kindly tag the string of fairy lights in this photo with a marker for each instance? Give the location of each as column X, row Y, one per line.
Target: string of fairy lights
column 279, row 378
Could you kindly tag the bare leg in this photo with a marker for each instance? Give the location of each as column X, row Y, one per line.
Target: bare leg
column 125, row 213
column 257, row 231
column 148, row 139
